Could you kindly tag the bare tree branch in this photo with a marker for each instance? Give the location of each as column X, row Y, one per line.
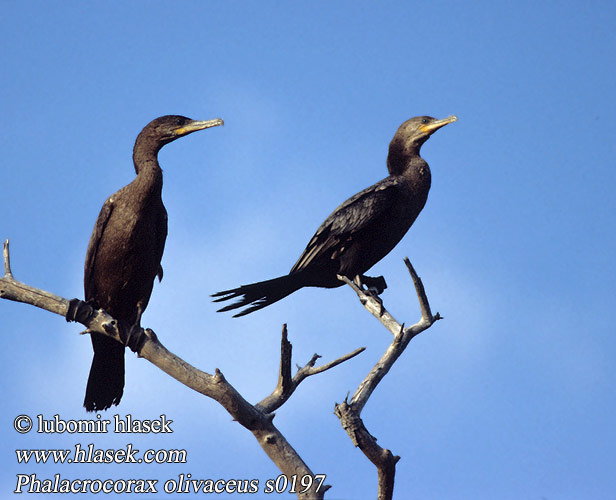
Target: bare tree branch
column 286, row 385
column 259, row 422
column 11, row 289
column 374, row 306
column 349, row 411
column 7, row 260
column 310, row 369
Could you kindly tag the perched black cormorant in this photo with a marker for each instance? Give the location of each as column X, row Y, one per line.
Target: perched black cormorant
column 125, row 251
column 361, row 231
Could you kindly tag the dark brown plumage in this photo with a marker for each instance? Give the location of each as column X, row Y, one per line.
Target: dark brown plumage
column 125, row 251
column 361, row 231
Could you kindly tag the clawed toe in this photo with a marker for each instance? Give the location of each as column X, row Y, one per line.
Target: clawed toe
column 133, row 337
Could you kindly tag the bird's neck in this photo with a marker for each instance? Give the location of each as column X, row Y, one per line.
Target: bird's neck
column 149, row 173
column 403, row 155
column 404, row 163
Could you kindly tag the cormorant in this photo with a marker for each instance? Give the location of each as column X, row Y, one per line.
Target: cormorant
column 361, row 231
column 125, row 251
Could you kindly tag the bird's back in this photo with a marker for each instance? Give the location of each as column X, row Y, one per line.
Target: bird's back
column 364, row 229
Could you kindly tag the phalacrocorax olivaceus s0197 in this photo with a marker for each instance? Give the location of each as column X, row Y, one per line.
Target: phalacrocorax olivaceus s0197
column 361, row 231
column 125, row 251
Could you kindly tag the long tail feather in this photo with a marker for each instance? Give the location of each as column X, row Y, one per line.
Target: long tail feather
column 259, row 295
column 106, row 380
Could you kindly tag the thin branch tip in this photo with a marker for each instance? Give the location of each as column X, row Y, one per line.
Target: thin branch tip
column 313, row 360
column 408, row 264
column 7, row 260
column 341, row 277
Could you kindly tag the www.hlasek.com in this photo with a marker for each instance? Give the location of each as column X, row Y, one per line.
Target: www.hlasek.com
column 89, row 454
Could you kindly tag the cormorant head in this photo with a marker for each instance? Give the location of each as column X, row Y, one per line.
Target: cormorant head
column 168, row 128
column 408, row 139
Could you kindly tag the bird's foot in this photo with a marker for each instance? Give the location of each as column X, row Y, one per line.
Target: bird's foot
column 377, row 284
column 133, row 337
column 79, row 311
column 372, row 287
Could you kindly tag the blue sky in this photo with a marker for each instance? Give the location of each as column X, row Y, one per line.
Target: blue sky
column 510, row 396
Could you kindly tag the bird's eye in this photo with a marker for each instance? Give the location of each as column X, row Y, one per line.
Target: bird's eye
column 424, row 120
